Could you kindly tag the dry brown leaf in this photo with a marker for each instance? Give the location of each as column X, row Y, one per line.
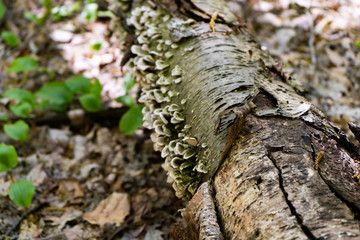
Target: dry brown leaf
column 70, row 189
column 37, row 175
column 69, row 215
column 113, row 209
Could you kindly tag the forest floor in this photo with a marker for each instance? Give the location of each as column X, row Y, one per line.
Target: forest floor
column 94, row 182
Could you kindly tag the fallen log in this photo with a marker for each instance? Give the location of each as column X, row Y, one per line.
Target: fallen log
column 238, row 139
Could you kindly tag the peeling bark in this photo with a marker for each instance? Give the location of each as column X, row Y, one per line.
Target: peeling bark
column 268, row 177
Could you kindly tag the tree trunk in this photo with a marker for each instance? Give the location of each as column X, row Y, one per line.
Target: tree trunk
column 225, row 118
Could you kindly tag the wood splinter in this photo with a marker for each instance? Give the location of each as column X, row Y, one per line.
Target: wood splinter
column 200, row 215
column 241, row 113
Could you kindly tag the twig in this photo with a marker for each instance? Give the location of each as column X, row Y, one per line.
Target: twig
column 56, row 236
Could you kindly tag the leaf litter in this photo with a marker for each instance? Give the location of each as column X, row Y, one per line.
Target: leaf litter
column 91, row 181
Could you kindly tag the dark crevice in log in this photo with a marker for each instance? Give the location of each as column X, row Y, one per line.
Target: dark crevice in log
column 217, row 211
column 351, row 206
column 298, row 217
column 333, row 132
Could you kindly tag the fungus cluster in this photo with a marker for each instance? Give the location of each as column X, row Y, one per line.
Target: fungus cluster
column 163, row 111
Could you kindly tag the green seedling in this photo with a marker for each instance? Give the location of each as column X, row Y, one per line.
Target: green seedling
column 24, row 101
column 22, row 109
column 128, row 82
column 10, row 38
column 55, row 95
column 21, row 192
column 131, row 120
column 91, row 98
column 90, row 11
column 127, row 100
column 107, row 14
column 90, row 102
column 95, row 45
column 23, row 64
column 2, row 10
column 357, row 43
column 96, row 88
column 17, row 131
column 39, row 20
column 59, row 12
column 78, row 84
column 46, row 3
column 8, row 157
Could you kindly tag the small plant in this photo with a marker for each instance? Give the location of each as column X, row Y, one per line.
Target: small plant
column 17, row 131
column 91, row 92
column 2, row 10
column 78, row 84
column 55, row 95
column 132, row 119
column 23, row 101
column 357, row 43
column 40, row 20
column 90, row 11
column 23, row 64
column 10, row 38
column 8, row 157
column 21, row 192
column 59, row 12
column 95, row 45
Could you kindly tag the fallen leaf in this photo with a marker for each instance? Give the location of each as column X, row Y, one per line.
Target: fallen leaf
column 113, row 209
column 70, row 189
column 37, row 175
column 69, row 215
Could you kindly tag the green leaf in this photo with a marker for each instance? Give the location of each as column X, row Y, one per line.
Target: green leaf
column 17, row 131
column 10, row 38
column 78, row 84
column 21, row 192
column 8, row 157
column 57, row 95
column 32, row 17
column 128, row 82
column 46, row 3
column 96, row 88
column 22, row 109
column 90, row 102
column 131, row 120
column 127, row 100
column 108, row 14
column 96, row 45
column 357, row 42
column 64, row 11
column 2, row 9
column 20, row 95
column 22, row 64
column 90, row 12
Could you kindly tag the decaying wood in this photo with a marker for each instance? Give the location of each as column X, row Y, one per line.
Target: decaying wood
column 271, row 182
column 200, row 213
